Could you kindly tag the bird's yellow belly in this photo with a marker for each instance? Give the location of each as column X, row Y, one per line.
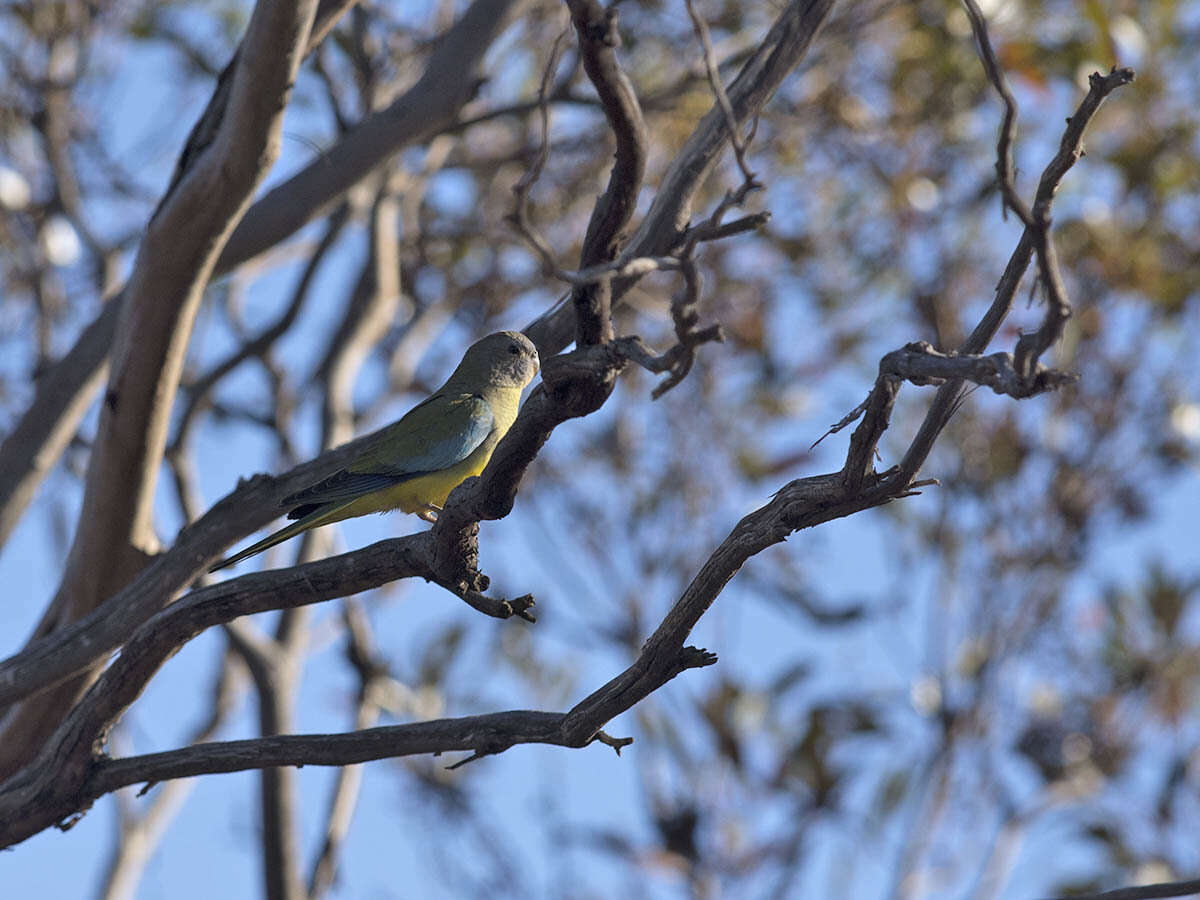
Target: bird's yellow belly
column 418, row 494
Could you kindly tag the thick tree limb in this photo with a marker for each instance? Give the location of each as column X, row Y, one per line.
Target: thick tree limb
column 173, row 266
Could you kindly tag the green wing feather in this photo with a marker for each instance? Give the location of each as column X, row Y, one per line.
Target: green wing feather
column 436, row 434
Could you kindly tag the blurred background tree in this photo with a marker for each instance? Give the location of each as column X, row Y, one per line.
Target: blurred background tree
column 988, row 690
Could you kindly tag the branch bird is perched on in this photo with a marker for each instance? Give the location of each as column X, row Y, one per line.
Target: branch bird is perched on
column 415, row 463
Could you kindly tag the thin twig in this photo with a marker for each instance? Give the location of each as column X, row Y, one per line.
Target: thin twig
column 718, row 89
column 519, row 217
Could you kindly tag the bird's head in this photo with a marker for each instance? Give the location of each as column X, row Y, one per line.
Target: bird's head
column 504, row 359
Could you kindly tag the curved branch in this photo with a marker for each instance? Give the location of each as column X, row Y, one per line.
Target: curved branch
column 598, row 38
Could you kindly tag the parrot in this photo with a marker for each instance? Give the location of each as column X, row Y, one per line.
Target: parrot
column 414, row 463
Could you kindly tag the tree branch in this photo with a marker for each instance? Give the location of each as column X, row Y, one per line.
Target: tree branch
column 921, row 364
column 1036, row 221
column 71, row 771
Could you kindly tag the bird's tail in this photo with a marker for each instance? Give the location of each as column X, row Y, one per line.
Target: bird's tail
column 321, row 516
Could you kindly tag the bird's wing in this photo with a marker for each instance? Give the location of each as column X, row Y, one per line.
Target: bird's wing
column 434, row 435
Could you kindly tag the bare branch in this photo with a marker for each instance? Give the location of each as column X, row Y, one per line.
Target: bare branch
column 864, row 441
column 1144, row 891
column 709, row 231
column 494, row 730
column 598, row 39
column 1008, row 127
column 679, row 358
column 920, row 363
column 1037, row 221
column 38, row 805
column 718, row 89
column 1031, row 346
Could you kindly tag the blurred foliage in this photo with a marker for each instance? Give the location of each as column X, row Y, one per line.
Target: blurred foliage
column 990, row 673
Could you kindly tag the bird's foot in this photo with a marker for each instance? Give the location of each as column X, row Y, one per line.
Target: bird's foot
column 430, row 512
